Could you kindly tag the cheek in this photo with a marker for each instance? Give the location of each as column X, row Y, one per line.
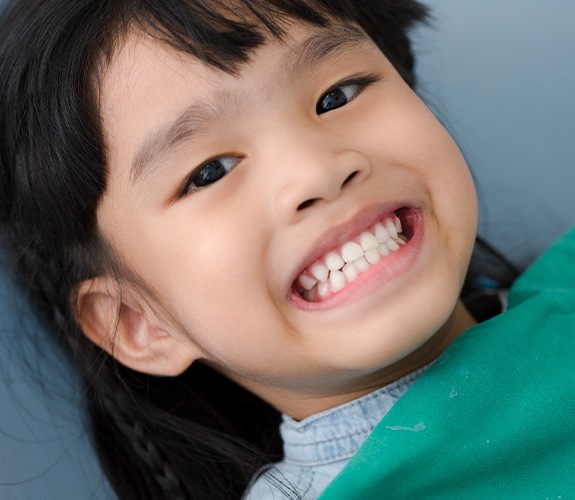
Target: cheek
column 399, row 129
column 412, row 139
column 208, row 280
column 420, row 143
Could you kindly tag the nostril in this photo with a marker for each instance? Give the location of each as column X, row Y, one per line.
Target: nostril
column 312, row 201
column 350, row 177
column 306, row 204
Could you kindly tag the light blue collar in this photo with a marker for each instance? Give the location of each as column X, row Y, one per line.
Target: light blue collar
column 337, row 433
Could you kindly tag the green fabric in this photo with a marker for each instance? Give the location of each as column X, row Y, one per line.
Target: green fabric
column 494, row 417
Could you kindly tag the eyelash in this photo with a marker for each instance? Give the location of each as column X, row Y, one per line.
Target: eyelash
column 362, row 82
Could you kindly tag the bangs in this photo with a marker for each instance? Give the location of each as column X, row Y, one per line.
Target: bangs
column 223, row 34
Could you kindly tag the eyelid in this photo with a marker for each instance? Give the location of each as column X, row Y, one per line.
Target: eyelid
column 361, row 80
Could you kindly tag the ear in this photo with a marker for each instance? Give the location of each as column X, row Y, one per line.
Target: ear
column 120, row 322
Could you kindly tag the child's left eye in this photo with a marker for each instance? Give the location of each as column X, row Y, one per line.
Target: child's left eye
column 342, row 93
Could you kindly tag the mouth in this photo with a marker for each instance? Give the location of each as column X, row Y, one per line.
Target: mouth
column 373, row 247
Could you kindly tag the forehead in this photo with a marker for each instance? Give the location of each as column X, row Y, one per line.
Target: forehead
column 302, row 45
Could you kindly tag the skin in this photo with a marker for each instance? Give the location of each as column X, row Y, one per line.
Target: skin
column 215, row 266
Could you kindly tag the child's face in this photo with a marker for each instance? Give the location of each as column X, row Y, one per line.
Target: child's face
column 290, row 175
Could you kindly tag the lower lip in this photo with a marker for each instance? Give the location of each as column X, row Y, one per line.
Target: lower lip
column 378, row 276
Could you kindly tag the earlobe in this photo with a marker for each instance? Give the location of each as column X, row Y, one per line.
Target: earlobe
column 120, row 322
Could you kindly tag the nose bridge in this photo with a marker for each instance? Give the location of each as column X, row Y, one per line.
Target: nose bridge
column 313, row 167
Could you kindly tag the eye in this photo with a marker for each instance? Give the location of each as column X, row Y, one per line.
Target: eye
column 210, row 171
column 342, row 93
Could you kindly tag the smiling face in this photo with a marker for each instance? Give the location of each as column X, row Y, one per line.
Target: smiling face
column 262, row 209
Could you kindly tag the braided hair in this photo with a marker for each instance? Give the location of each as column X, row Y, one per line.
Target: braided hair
column 197, row 435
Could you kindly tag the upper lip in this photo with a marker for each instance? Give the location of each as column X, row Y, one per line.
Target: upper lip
column 337, row 235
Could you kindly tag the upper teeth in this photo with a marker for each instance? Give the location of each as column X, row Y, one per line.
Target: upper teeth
column 339, row 267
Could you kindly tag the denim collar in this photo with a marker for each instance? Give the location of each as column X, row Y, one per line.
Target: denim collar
column 336, row 434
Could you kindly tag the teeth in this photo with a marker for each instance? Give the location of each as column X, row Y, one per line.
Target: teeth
column 368, row 241
column 333, row 261
column 320, row 272
column 391, row 229
column 381, row 233
column 372, row 256
column 351, row 251
column 383, row 250
column 323, row 289
column 307, row 282
column 338, row 268
column 392, row 245
column 361, row 265
column 350, row 272
column 337, row 280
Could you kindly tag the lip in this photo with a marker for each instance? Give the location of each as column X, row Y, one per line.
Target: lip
column 386, row 270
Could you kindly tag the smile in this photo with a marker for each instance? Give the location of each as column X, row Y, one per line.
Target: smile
column 335, row 270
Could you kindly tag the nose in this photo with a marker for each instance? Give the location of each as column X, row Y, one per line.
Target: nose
column 316, row 171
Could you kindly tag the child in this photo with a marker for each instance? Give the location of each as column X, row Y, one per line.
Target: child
column 231, row 210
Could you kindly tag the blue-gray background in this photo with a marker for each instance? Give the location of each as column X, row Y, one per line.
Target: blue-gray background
column 499, row 74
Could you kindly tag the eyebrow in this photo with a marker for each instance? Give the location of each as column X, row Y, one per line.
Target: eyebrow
column 195, row 119
column 311, row 52
column 191, row 123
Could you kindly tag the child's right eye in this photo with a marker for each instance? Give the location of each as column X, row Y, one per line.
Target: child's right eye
column 209, row 172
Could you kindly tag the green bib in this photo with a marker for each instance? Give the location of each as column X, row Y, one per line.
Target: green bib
column 494, row 417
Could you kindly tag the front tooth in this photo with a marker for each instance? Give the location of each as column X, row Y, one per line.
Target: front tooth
column 392, row 245
column 391, row 229
column 381, row 233
column 337, row 280
column 351, row 251
column 307, row 282
column 361, row 265
column 320, row 272
column 368, row 241
column 372, row 256
column 333, row 261
column 350, row 272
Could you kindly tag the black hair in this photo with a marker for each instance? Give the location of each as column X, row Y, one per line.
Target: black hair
column 193, row 436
